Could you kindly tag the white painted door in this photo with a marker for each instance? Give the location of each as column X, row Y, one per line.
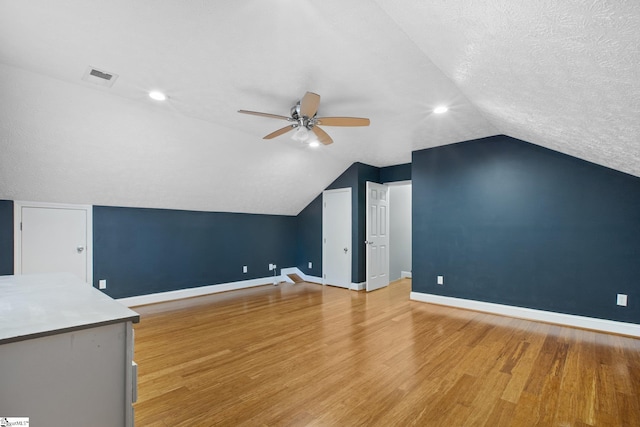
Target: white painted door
column 52, row 239
column 336, row 237
column 377, row 231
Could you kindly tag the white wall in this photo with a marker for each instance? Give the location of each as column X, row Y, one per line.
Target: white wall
column 399, row 230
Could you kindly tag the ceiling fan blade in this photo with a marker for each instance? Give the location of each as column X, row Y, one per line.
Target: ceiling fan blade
column 309, row 104
column 256, row 113
column 323, row 137
column 343, row 121
column 280, row 132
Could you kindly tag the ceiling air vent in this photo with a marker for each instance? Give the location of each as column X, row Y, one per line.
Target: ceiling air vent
column 99, row 77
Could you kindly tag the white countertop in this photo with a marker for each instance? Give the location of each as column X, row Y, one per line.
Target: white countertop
column 45, row 304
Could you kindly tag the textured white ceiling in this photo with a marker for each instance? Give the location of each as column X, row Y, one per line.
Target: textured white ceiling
column 561, row 74
column 564, row 75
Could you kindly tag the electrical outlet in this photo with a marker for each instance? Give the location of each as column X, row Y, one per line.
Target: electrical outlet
column 271, row 266
column 310, row 264
column 622, row 300
column 244, row 268
column 102, row 284
column 440, row 280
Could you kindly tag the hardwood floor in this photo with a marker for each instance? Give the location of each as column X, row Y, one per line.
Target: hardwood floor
column 305, row 354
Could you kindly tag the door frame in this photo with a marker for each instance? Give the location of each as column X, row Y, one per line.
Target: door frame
column 17, row 234
column 350, row 240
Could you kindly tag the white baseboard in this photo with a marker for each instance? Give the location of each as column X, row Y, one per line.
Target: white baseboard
column 583, row 322
column 358, row 286
column 296, row 270
column 314, row 279
column 406, row 274
column 223, row 287
column 285, row 278
column 284, row 272
column 196, row 292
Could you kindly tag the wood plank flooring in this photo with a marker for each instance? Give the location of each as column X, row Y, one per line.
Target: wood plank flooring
column 304, row 354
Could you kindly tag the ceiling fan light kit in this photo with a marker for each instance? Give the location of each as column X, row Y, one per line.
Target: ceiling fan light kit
column 304, row 119
column 301, row 134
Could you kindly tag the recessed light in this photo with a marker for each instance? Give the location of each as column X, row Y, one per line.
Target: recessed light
column 441, row 109
column 158, row 96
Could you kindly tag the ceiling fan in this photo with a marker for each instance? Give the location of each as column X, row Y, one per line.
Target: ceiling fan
column 303, row 119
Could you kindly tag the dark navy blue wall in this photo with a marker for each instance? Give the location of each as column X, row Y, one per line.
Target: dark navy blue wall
column 309, row 238
column 142, row 251
column 6, row 237
column 509, row 222
column 395, row 173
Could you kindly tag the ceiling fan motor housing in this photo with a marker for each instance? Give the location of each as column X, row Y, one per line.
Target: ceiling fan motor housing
column 295, row 111
column 302, row 121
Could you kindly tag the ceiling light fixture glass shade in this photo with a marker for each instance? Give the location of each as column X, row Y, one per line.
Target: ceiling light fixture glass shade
column 441, row 109
column 314, row 144
column 301, row 135
column 158, row 96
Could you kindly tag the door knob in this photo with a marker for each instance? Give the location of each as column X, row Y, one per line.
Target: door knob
column 345, row 250
column 80, row 249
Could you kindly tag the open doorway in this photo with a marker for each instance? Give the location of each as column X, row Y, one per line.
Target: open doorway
column 399, row 230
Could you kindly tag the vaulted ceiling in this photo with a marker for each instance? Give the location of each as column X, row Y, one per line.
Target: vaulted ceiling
column 563, row 75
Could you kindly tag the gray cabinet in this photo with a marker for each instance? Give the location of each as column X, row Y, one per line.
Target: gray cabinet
column 66, row 353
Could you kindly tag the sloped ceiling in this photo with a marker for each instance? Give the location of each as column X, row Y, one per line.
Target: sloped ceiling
column 559, row 74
